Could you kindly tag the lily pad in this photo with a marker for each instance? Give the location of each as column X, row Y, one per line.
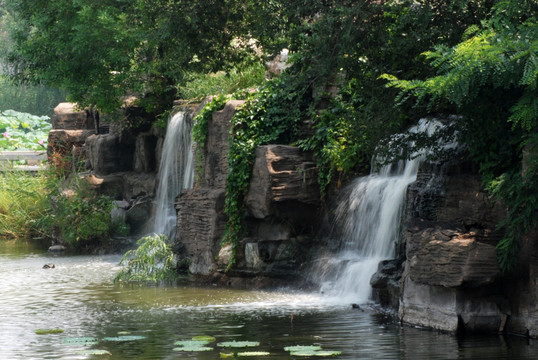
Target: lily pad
column 302, row 348
column 48, row 331
column 316, row 353
column 80, row 341
column 238, row 344
column 226, row 355
column 193, row 348
column 191, row 343
column 93, row 352
column 124, row 333
column 204, row 338
column 124, row 338
column 253, row 353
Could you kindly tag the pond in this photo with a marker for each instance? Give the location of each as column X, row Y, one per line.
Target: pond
column 79, row 297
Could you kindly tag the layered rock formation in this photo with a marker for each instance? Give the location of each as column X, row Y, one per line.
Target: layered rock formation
column 451, row 280
column 282, row 204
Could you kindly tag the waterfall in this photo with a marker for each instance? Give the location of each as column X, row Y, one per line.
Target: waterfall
column 368, row 224
column 176, row 173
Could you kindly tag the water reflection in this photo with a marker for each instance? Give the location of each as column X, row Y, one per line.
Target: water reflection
column 79, row 297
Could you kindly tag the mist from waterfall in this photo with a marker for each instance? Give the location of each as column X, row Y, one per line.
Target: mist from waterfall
column 176, row 172
column 368, row 224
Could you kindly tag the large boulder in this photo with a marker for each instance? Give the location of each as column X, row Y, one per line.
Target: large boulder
column 106, row 155
column 68, row 117
column 451, row 274
column 200, row 226
column 281, row 174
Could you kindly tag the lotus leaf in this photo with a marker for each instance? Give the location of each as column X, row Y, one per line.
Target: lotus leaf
column 48, row 331
column 253, row 353
column 191, row 343
column 238, row 344
column 193, row 348
column 124, row 338
column 226, row 355
column 93, row 352
column 80, row 341
column 302, row 348
column 204, row 338
column 124, row 333
column 316, row 353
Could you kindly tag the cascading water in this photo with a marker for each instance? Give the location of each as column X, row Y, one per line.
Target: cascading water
column 368, row 222
column 176, row 172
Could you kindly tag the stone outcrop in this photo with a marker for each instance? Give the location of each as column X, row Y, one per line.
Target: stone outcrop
column 281, row 175
column 451, row 278
column 70, row 129
column 201, row 221
column 68, row 117
column 282, row 202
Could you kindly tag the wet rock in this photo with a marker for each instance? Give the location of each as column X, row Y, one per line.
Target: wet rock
column 57, row 248
column 386, row 283
column 49, row 266
column 144, row 154
column 136, row 185
column 138, row 215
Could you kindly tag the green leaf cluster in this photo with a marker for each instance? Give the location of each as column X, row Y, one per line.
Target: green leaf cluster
column 151, row 261
column 491, row 77
column 22, row 131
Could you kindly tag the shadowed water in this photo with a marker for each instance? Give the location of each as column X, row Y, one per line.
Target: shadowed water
column 79, row 297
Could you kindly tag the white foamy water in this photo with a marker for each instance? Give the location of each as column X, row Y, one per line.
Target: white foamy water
column 176, row 172
column 369, row 223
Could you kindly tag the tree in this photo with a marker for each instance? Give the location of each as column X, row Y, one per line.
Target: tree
column 491, row 77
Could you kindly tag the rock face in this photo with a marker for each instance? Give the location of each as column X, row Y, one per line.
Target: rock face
column 282, row 202
column 201, row 221
column 451, row 278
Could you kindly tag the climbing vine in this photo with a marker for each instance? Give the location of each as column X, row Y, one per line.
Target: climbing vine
column 200, row 127
column 271, row 115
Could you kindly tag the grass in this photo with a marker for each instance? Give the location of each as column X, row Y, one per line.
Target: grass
column 23, row 203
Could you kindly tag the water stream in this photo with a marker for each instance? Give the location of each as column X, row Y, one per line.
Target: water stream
column 368, row 223
column 79, row 297
column 176, row 172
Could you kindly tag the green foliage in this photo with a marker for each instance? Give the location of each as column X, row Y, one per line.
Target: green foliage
column 200, row 85
column 152, row 261
column 491, row 78
column 272, row 115
column 24, row 203
column 21, row 131
column 200, row 127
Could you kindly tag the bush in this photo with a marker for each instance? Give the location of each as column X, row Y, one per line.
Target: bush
column 152, row 261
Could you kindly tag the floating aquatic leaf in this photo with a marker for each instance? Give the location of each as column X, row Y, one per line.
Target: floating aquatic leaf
column 302, row 348
column 93, row 352
column 124, row 333
column 253, row 353
column 204, row 338
column 48, row 331
column 80, row 341
column 124, row 338
column 227, row 355
column 193, row 348
column 191, row 343
column 238, row 344
column 316, row 353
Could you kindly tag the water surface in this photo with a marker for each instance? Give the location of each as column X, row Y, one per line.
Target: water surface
column 79, row 297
